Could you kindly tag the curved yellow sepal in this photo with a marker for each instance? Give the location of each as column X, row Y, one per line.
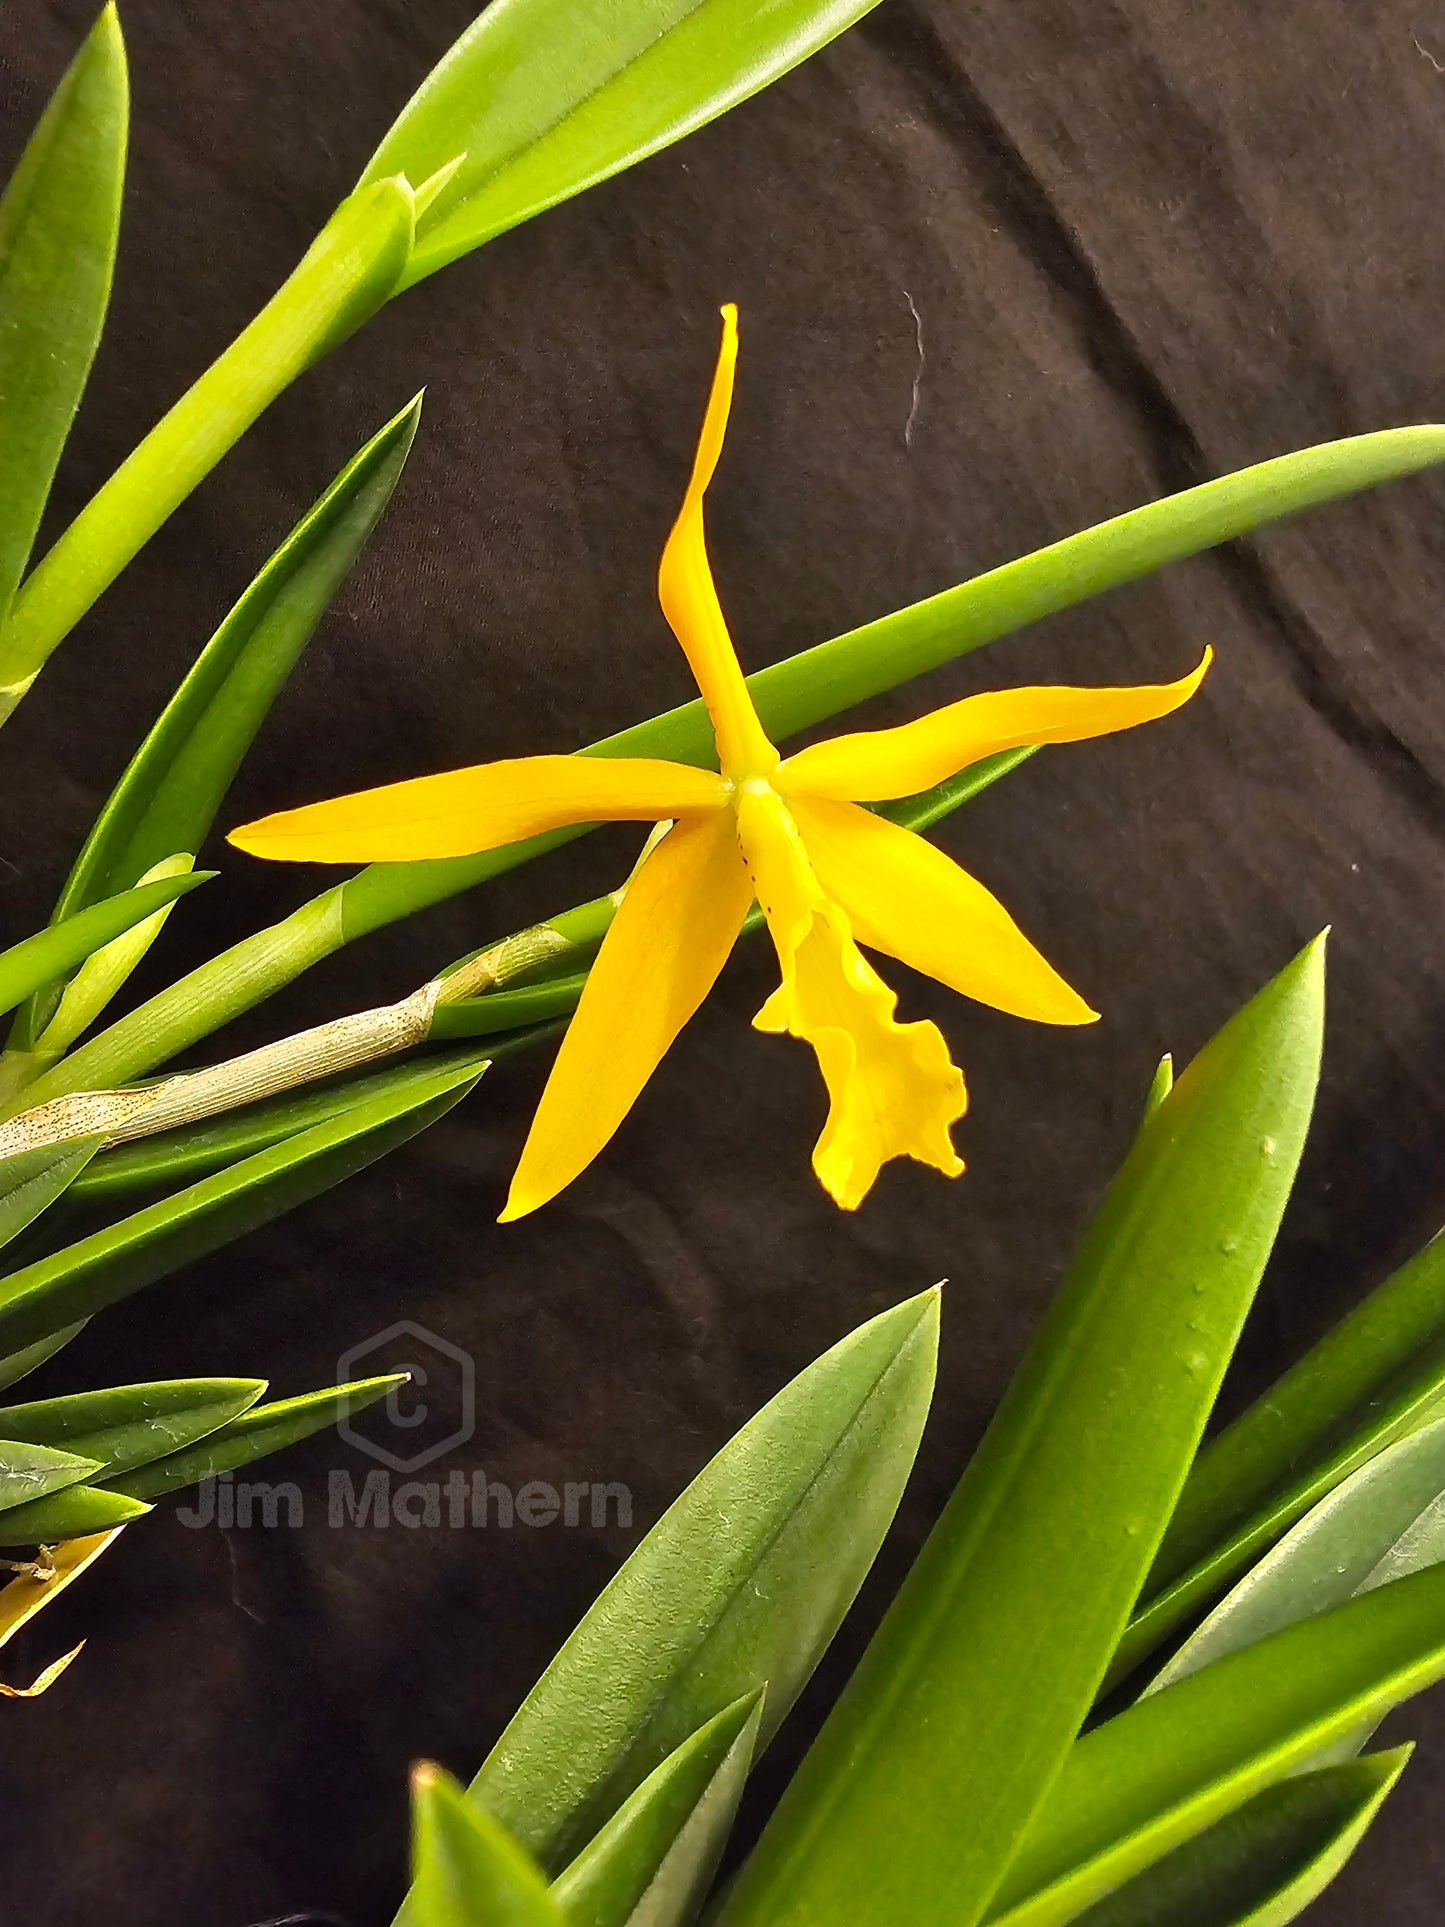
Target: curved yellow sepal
column 873, row 765
column 461, row 811
column 688, row 594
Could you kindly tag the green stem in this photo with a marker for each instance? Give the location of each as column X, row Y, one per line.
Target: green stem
column 351, row 268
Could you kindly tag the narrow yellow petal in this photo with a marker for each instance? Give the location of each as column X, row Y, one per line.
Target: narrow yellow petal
column 43, row 1680
column 688, row 594
column 875, row 764
column 28, row 1595
column 893, row 1089
column 462, row 811
column 670, row 938
column 905, row 897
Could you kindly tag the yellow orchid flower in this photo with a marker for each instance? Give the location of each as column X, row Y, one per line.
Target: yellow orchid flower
column 790, row 833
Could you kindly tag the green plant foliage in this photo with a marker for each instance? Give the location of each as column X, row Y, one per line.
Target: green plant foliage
column 159, row 1459
column 1044, row 1545
column 537, row 100
column 1377, row 1375
column 652, row 1863
column 1265, row 1863
column 255, row 1434
column 57, row 951
column 87, row 1509
column 31, row 1181
column 168, row 797
column 1386, row 1520
column 350, row 269
column 173, row 1158
column 467, row 1868
column 59, row 219
column 129, row 1424
column 739, row 1586
column 20, row 1364
column 111, row 1264
column 1156, row 1775
column 30, row 1471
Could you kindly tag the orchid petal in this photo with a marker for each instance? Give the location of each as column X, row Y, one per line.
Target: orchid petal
column 670, row 938
column 872, row 765
column 906, row 898
column 688, row 594
column 462, row 811
column 893, row 1089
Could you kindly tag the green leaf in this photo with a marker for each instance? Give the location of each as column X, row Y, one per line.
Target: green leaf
column 58, row 224
column 1146, row 1781
column 1375, row 1376
column 30, row 1471
column 128, row 1425
column 653, row 1862
column 31, row 1181
column 740, row 1585
column 57, row 951
column 112, row 1263
column 537, row 100
column 254, row 1435
column 87, row 1508
column 1385, row 1520
column 791, row 696
column 997, row 1642
column 168, row 797
column 349, row 271
column 20, row 1364
column 1265, row 1863
column 172, row 1158
column 468, row 1870
column 102, row 976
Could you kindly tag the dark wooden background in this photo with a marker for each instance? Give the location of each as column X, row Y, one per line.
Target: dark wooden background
column 1146, row 242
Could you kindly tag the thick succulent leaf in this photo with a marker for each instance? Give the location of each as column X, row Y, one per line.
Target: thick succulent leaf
column 20, row 1364
column 1373, row 1378
column 88, row 1508
column 178, row 1157
column 31, row 1181
column 129, row 1425
column 467, row 1869
column 254, row 1435
column 740, row 1585
column 1385, row 1520
column 1265, row 1863
column 112, row 1263
column 1156, row 1775
column 58, row 224
column 169, row 795
column 539, row 99
column 652, row 1864
column 995, row 1647
column 57, row 951
column 792, row 695
column 30, row 1471
column 347, row 273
